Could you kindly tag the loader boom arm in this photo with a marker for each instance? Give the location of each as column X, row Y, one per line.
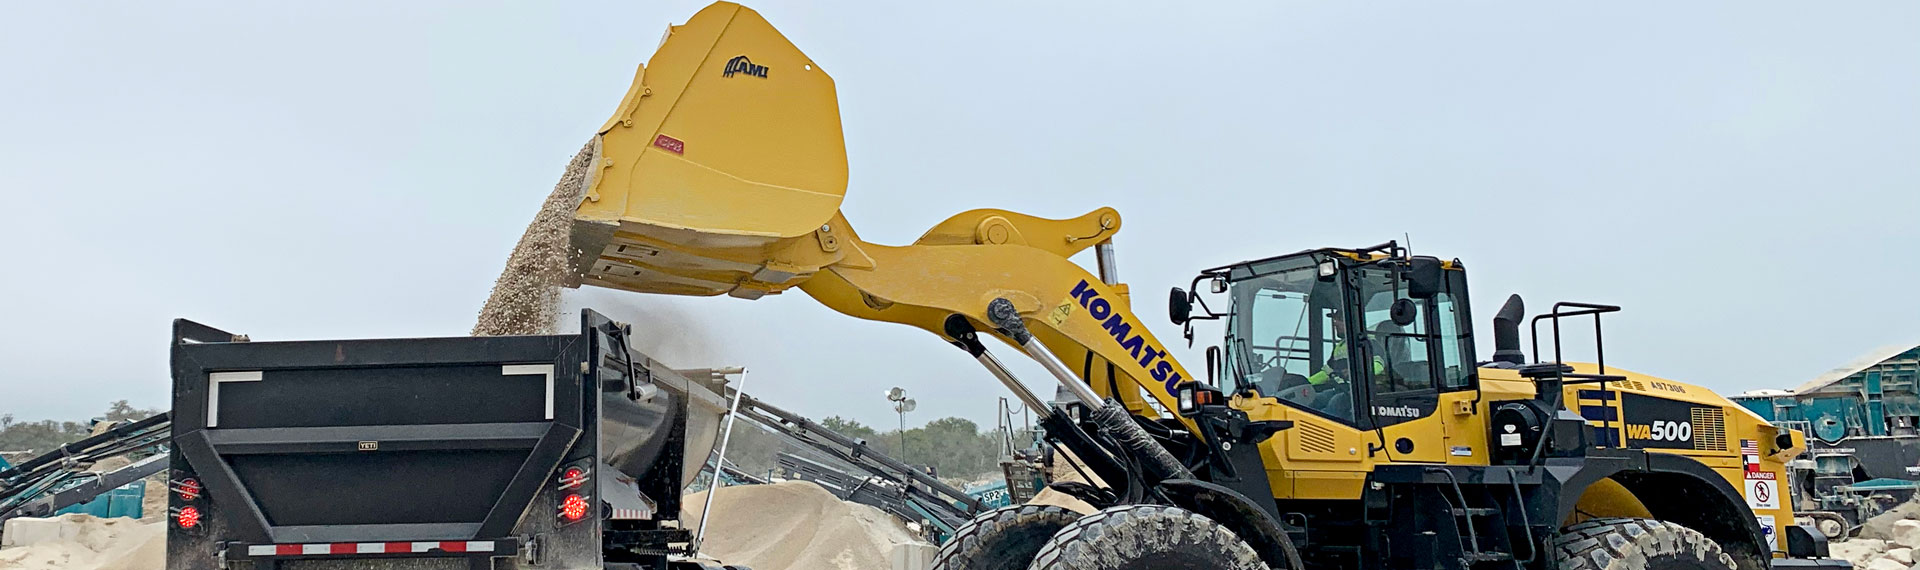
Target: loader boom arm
column 722, row 171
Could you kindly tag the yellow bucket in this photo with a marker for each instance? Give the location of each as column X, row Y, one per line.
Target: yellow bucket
column 724, row 155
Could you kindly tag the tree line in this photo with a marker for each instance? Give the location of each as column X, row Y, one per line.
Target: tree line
column 21, row 439
column 955, row 448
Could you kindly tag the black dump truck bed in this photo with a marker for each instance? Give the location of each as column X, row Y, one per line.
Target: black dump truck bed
column 474, row 452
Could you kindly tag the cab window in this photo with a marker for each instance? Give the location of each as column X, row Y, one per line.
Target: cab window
column 1284, row 341
column 1400, row 352
column 1456, row 366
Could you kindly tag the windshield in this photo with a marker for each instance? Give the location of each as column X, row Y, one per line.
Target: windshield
column 1286, row 338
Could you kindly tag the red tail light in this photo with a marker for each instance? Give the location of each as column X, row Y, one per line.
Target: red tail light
column 573, row 508
column 188, row 489
column 572, row 478
column 187, row 517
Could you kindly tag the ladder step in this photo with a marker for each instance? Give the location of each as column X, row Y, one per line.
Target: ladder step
column 1484, row 557
column 1475, row 512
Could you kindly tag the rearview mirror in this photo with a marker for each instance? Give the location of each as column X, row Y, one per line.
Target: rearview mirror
column 1179, row 306
column 1423, row 277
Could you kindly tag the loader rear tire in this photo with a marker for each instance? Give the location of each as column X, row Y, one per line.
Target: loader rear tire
column 1146, row 537
column 1006, row 538
column 1637, row 544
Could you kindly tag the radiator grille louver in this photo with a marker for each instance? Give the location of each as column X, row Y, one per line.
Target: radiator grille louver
column 1709, row 429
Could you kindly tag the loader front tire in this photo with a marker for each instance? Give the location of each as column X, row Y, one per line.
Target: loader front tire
column 1146, row 537
column 1006, row 538
column 1637, row 544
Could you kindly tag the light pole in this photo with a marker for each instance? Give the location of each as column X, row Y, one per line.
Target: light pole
column 901, row 405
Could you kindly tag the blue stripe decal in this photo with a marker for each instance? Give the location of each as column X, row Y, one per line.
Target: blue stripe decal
column 1596, row 395
column 1599, row 413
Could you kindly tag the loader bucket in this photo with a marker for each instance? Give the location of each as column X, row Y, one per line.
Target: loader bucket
column 726, row 149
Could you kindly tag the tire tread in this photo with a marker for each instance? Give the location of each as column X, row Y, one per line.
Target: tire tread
column 972, row 546
column 1627, row 544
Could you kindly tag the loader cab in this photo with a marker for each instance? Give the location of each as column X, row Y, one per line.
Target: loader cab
column 1367, row 337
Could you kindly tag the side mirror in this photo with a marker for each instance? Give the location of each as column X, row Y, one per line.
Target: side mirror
column 1424, row 277
column 1213, row 363
column 1179, row 306
column 1403, row 312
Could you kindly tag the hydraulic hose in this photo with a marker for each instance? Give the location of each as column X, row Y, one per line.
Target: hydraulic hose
column 1111, row 417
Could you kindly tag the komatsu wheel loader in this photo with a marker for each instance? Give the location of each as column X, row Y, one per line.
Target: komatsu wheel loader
column 1345, row 420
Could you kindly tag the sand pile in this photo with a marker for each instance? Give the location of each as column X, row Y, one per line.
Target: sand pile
column 797, row 525
column 526, row 297
column 82, row 542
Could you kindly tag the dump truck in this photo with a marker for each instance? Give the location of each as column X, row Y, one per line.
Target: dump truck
column 561, row 451
column 1344, row 420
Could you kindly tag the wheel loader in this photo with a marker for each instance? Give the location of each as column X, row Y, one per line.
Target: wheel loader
column 1344, row 419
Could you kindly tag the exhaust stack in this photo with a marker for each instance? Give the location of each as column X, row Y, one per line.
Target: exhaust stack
column 1506, row 332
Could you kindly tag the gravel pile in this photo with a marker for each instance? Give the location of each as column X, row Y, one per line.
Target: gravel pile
column 1886, row 542
column 526, row 298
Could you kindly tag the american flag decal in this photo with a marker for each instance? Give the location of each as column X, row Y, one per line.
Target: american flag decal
column 1750, row 454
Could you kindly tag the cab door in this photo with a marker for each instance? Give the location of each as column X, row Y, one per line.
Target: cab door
column 1403, row 389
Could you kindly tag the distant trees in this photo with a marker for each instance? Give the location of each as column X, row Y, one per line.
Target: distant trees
column 954, row 447
column 32, row 438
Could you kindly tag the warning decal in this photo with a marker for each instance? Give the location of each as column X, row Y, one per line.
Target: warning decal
column 1762, row 491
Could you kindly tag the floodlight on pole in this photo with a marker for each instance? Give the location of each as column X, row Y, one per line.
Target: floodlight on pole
column 901, row 405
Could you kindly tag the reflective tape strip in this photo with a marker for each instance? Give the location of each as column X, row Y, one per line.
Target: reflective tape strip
column 457, row 546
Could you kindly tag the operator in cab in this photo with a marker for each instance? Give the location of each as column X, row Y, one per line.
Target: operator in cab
column 1328, row 390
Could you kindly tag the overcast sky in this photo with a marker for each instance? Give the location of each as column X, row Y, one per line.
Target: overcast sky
column 1741, row 176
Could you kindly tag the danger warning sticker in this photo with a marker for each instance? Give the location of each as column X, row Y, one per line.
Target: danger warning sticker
column 1763, row 493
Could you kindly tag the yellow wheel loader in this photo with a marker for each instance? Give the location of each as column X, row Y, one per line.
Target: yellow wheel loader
column 1344, row 419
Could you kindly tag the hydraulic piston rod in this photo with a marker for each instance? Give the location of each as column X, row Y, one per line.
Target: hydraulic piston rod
column 1110, row 416
column 966, row 338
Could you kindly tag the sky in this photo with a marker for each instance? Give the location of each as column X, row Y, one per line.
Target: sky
column 1741, row 176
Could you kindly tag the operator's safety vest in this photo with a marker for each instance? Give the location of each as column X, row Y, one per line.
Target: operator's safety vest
column 1339, row 353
